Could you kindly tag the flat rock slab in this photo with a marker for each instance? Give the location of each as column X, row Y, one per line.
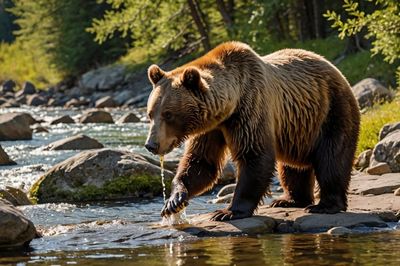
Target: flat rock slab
column 364, row 184
column 364, row 211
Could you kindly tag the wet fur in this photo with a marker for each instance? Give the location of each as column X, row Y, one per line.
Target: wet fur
column 292, row 107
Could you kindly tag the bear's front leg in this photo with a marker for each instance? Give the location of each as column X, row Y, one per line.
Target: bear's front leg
column 198, row 170
column 255, row 175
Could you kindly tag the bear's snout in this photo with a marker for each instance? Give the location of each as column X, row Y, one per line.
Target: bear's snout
column 152, row 146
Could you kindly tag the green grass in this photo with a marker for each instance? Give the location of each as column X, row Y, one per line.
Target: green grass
column 374, row 119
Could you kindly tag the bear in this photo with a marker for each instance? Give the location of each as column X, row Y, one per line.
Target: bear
column 290, row 112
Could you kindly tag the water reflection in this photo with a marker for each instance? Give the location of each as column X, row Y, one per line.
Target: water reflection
column 297, row 249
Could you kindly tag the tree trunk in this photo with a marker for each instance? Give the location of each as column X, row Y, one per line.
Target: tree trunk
column 226, row 15
column 196, row 15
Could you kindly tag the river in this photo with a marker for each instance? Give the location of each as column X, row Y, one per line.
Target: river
column 128, row 233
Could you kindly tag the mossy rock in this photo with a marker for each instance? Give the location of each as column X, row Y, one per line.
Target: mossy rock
column 98, row 175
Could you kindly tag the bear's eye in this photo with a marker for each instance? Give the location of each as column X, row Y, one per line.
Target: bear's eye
column 167, row 115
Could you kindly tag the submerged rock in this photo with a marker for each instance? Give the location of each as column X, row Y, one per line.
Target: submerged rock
column 103, row 174
column 15, row 126
column 96, row 116
column 16, row 230
column 78, row 142
column 5, row 159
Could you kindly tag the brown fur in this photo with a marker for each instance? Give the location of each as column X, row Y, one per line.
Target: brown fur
column 291, row 106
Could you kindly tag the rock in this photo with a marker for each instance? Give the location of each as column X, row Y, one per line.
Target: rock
column 103, row 174
column 123, row 96
column 370, row 91
column 5, row 159
column 379, row 169
column 228, row 189
column 76, row 103
column 3, row 101
column 201, row 225
column 364, row 184
column 388, row 151
column 39, row 129
column 363, row 159
column 75, row 92
column 387, row 129
column 27, row 89
column 16, row 230
column 15, row 126
column 106, row 101
column 96, row 116
column 104, row 78
column 36, row 100
column 15, row 196
column 8, row 86
column 10, row 103
column 78, row 142
column 339, row 231
column 65, row 119
column 128, row 118
column 223, row 199
column 397, row 192
column 228, row 175
column 139, row 100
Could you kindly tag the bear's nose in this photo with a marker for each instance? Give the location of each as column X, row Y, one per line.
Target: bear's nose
column 152, row 146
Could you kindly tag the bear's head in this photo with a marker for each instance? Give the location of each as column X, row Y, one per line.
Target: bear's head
column 175, row 107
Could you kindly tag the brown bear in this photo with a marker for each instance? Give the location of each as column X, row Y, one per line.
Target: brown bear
column 291, row 109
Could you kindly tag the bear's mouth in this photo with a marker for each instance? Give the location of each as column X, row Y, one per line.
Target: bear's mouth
column 172, row 146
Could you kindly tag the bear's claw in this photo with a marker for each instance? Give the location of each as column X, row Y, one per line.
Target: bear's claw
column 321, row 208
column 177, row 202
column 227, row 215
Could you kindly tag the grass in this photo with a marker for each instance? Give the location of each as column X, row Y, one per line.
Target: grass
column 373, row 120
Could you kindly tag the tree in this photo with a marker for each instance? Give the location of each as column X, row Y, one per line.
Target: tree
column 58, row 29
column 383, row 26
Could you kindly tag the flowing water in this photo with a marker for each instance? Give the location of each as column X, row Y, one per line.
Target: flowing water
column 129, row 233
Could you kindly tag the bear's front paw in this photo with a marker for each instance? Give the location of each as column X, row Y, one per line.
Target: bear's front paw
column 227, row 215
column 321, row 208
column 178, row 201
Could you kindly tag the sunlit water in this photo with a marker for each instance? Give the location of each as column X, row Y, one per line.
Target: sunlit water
column 129, row 233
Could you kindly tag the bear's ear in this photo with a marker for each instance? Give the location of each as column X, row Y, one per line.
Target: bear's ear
column 155, row 74
column 191, row 79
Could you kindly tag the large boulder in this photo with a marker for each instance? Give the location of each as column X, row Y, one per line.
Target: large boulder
column 364, row 184
column 78, row 142
column 387, row 129
column 103, row 174
column 370, row 91
column 106, row 101
column 388, row 151
column 96, row 116
column 7, row 86
column 4, row 158
column 16, row 231
column 16, row 126
column 104, row 78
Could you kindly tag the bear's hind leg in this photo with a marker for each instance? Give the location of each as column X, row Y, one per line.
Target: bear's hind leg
column 332, row 165
column 298, row 186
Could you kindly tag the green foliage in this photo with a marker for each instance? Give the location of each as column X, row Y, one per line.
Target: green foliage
column 383, row 26
column 20, row 63
column 374, row 119
column 57, row 29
